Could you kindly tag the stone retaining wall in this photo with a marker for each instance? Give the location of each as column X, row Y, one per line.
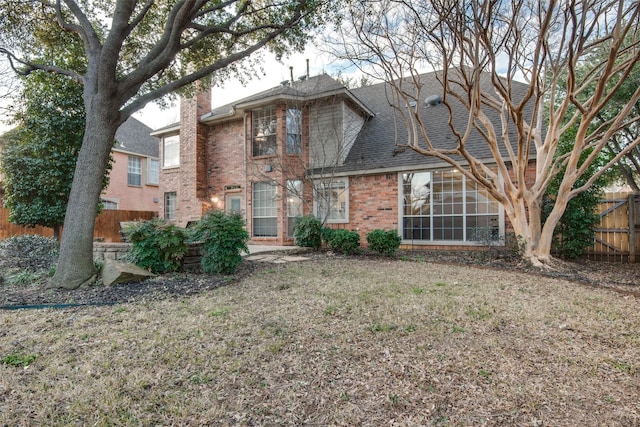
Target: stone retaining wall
column 118, row 251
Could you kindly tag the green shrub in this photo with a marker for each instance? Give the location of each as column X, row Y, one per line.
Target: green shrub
column 384, row 242
column 308, row 232
column 342, row 241
column 157, row 245
column 223, row 239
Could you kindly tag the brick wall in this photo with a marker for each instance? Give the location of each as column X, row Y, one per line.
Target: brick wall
column 225, row 170
column 189, row 180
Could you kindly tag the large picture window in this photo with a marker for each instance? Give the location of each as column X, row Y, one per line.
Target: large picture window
column 171, row 151
column 444, row 206
column 265, row 209
column 332, row 201
column 264, row 132
column 294, row 131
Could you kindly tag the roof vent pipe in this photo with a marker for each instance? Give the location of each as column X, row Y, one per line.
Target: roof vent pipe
column 433, row 100
column 307, row 67
column 291, row 71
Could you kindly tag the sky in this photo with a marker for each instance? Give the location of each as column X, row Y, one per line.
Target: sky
column 233, row 90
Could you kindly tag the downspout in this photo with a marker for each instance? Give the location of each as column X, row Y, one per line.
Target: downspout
column 244, row 165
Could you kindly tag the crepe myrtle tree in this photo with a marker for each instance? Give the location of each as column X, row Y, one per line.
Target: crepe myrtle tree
column 134, row 52
column 516, row 68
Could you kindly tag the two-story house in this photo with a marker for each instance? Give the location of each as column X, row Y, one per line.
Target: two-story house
column 315, row 147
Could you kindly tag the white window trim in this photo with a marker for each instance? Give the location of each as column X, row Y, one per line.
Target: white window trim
column 164, row 157
column 111, row 200
column 164, row 206
column 139, row 159
column 501, row 219
column 316, row 205
column 148, row 180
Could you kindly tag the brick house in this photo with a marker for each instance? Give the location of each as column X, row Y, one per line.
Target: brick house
column 315, row 147
column 134, row 177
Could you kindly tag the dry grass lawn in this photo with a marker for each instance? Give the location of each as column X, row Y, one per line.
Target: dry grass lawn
column 334, row 342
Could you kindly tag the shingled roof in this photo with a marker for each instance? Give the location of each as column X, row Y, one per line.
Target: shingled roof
column 133, row 136
column 379, row 144
column 301, row 90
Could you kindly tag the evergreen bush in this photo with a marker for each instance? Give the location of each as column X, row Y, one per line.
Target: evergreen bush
column 158, row 245
column 343, row 241
column 223, row 238
column 384, row 242
column 308, row 232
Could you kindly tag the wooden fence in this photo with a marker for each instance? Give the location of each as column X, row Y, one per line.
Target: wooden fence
column 617, row 238
column 107, row 227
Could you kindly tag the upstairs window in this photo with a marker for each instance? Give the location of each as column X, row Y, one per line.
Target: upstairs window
column 171, row 151
column 264, row 132
column 294, row 131
column 134, row 171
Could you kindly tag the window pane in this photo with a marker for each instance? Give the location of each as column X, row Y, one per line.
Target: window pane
column 170, row 205
column 264, row 131
column 294, row 131
column 445, row 206
column 294, row 205
column 171, row 151
column 265, row 209
column 331, row 201
column 153, row 172
column 134, row 171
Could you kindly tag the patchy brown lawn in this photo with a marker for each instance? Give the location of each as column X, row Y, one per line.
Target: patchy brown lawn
column 334, row 342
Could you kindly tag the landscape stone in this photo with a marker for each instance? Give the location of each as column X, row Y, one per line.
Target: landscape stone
column 115, row 272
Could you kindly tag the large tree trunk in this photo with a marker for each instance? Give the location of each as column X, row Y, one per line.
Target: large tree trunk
column 75, row 264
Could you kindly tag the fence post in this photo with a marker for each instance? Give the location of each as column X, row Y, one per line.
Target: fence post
column 634, row 227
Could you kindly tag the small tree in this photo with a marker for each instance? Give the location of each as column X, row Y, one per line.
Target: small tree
column 39, row 157
column 575, row 230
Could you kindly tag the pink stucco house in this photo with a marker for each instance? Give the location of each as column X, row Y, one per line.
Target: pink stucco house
column 134, row 178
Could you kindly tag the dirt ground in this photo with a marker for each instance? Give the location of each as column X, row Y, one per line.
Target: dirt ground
column 621, row 277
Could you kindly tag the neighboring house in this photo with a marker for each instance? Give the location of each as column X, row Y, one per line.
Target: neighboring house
column 315, row 147
column 1, row 176
column 134, row 176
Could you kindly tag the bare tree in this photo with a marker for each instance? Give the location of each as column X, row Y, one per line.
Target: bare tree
column 513, row 66
column 137, row 51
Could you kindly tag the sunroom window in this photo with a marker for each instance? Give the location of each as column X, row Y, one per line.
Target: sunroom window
column 445, row 206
